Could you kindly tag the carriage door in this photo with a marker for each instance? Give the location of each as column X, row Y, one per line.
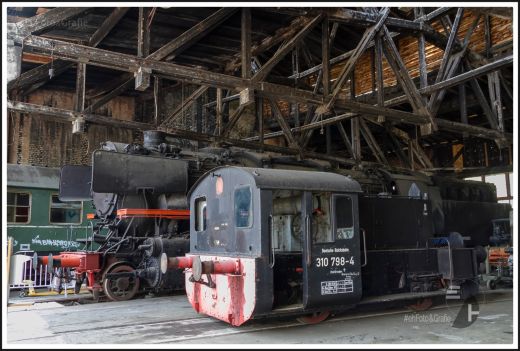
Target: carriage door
column 331, row 253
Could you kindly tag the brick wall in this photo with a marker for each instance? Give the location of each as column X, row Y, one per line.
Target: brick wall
column 42, row 141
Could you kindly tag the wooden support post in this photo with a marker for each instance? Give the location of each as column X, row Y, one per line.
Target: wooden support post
column 325, row 56
column 487, row 36
column 423, row 72
column 410, row 154
column 379, row 75
column 295, row 108
column 143, row 33
column 218, row 126
column 260, row 117
column 156, row 99
column 495, row 98
column 246, row 42
column 463, row 107
column 79, row 98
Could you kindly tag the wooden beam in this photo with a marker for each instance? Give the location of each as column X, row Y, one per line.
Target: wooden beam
column 398, row 148
column 48, row 19
column 406, row 82
column 281, row 35
column 129, row 63
column 109, row 96
column 372, row 142
column 41, row 73
column 233, row 119
column 192, row 35
column 184, row 105
column 246, row 42
column 285, row 49
column 348, row 68
column 346, row 141
column 282, row 122
column 488, row 112
column 107, row 25
column 451, row 40
column 70, row 116
column 468, row 75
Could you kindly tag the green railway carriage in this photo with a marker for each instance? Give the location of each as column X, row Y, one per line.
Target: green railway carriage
column 36, row 219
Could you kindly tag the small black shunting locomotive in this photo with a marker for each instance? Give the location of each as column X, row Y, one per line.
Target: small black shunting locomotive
column 265, row 242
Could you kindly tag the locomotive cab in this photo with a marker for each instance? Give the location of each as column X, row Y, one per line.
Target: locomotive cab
column 267, row 241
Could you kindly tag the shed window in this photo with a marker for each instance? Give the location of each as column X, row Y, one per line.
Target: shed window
column 18, row 207
column 243, row 215
column 65, row 212
column 200, row 214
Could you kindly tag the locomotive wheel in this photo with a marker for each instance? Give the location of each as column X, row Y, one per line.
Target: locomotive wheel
column 314, row 318
column 421, row 305
column 121, row 289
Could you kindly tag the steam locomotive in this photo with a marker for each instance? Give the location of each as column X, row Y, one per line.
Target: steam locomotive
column 140, row 196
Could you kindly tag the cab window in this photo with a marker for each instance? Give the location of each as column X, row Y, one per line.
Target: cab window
column 243, row 214
column 343, row 216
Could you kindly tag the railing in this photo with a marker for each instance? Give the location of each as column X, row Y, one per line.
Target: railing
column 42, row 277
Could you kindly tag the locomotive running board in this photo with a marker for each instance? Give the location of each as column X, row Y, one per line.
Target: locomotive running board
column 153, row 213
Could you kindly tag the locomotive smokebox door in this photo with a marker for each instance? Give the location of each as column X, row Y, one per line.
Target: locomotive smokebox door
column 331, row 253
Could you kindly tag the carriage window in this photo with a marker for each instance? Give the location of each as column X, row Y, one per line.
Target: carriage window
column 65, row 212
column 18, row 207
column 200, row 214
column 243, row 215
column 343, row 215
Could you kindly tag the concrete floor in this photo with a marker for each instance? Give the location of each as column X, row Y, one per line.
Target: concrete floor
column 170, row 319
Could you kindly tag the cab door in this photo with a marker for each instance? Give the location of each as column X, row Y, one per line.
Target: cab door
column 331, row 252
